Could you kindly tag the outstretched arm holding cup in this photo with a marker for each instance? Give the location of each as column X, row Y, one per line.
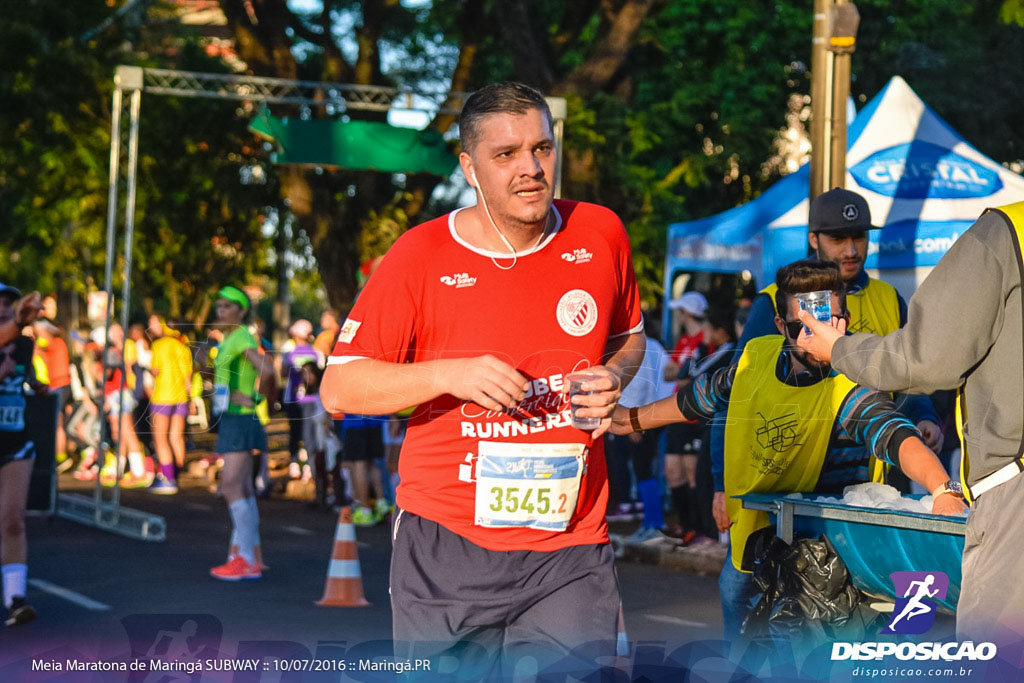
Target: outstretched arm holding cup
column 964, row 331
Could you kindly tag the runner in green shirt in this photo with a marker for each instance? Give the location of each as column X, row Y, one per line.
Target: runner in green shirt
column 238, row 366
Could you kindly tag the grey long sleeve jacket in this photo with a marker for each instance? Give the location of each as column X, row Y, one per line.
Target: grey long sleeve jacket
column 964, row 328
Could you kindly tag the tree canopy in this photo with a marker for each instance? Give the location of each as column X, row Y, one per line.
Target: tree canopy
column 197, row 225
column 675, row 110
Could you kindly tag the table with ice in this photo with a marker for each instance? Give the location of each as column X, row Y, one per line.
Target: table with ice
column 872, row 495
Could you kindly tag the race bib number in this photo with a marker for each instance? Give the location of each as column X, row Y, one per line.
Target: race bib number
column 12, row 413
column 221, row 397
column 532, row 485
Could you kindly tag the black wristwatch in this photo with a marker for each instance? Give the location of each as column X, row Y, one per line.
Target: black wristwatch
column 949, row 486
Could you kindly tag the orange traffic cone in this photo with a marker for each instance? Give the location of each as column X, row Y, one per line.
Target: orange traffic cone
column 344, row 586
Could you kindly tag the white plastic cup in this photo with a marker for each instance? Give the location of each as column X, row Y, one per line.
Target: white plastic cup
column 576, row 381
column 818, row 304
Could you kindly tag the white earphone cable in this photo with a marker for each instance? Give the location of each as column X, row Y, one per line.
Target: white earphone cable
column 515, row 254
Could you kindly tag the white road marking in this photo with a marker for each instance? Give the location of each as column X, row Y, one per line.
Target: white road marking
column 69, row 595
column 676, row 621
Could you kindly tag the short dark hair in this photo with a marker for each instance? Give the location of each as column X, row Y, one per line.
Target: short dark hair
column 311, row 376
column 497, row 98
column 804, row 276
column 723, row 319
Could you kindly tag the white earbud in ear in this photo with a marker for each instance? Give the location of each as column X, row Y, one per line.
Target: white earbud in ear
column 472, row 175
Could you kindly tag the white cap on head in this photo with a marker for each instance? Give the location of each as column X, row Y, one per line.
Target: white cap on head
column 693, row 303
column 47, row 325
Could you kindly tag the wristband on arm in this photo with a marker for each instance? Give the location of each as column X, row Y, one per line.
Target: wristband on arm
column 634, row 420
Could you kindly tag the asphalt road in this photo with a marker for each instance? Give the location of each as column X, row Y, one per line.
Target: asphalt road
column 103, row 597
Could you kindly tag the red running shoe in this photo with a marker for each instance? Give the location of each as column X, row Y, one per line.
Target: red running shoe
column 236, row 569
column 682, row 536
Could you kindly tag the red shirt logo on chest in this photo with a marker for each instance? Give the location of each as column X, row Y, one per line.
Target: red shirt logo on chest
column 577, row 312
column 578, row 256
column 458, row 280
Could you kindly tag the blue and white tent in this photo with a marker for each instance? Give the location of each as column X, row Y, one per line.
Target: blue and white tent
column 924, row 183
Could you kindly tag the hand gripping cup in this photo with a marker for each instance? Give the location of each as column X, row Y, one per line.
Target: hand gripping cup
column 576, row 381
column 818, row 304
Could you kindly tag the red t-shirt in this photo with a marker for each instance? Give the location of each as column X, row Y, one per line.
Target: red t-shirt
column 685, row 347
column 434, row 296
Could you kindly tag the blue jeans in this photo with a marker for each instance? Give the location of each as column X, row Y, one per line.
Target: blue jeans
column 738, row 594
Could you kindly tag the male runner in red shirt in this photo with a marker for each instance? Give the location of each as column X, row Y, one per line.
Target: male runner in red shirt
column 500, row 543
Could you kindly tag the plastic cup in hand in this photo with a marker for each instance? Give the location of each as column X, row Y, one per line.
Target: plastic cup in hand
column 818, row 304
column 576, row 381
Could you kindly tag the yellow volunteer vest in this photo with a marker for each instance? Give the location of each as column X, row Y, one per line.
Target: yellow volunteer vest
column 874, row 309
column 776, row 435
column 42, row 372
column 1015, row 215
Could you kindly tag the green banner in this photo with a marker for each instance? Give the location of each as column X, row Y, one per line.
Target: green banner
column 362, row 145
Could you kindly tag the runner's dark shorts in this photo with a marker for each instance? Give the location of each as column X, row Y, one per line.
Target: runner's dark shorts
column 63, row 394
column 684, row 438
column 362, row 443
column 16, row 448
column 240, row 433
column 489, row 611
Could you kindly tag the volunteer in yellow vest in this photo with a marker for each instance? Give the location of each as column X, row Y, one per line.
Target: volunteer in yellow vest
column 838, row 224
column 794, row 425
column 965, row 333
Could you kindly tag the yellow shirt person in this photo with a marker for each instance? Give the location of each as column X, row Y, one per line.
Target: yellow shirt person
column 172, row 370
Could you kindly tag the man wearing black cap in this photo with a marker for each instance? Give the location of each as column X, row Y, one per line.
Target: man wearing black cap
column 838, row 225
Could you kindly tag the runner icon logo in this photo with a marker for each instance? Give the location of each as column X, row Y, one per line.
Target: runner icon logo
column 915, row 611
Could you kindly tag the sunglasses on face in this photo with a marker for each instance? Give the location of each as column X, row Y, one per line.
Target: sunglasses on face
column 793, row 327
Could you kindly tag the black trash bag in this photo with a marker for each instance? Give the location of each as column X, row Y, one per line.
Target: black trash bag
column 769, row 551
column 820, row 582
column 806, row 590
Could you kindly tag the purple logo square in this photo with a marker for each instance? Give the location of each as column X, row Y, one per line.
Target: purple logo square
column 916, row 600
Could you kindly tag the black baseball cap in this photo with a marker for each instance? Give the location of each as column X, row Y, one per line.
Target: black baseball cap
column 9, row 291
column 839, row 210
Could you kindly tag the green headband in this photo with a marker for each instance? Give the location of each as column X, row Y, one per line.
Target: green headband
column 234, row 295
